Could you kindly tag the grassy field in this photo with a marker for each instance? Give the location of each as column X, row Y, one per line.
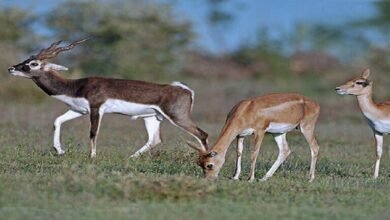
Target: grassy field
column 167, row 184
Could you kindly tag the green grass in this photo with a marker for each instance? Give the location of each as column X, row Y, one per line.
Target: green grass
column 167, row 184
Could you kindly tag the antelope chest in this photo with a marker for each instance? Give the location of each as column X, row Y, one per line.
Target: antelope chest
column 383, row 126
column 80, row 105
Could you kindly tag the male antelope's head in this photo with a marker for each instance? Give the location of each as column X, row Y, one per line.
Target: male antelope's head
column 210, row 161
column 37, row 64
column 358, row 86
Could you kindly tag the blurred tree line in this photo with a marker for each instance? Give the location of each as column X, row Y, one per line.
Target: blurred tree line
column 131, row 39
column 147, row 40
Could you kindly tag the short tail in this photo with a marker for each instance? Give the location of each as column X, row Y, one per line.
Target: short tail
column 184, row 86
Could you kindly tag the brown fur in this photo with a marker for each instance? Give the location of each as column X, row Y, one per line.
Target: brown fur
column 175, row 102
column 375, row 113
column 258, row 113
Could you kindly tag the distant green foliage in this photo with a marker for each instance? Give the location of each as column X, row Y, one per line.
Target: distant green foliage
column 133, row 39
column 266, row 55
column 14, row 23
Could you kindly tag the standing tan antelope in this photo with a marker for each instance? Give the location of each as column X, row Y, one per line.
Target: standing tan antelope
column 274, row 113
column 96, row 96
column 377, row 114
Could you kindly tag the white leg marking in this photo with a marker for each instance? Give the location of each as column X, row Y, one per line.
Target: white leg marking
column 284, row 151
column 152, row 125
column 69, row 115
column 240, row 146
column 379, row 144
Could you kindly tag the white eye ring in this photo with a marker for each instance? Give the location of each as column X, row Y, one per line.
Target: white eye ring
column 34, row 64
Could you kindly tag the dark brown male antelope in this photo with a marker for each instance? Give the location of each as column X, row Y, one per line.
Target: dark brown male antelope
column 98, row 95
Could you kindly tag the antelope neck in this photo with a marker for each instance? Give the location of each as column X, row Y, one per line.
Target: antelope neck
column 228, row 134
column 53, row 84
column 367, row 105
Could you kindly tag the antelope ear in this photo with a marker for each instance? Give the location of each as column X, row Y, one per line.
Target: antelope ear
column 52, row 66
column 196, row 147
column 366, row 74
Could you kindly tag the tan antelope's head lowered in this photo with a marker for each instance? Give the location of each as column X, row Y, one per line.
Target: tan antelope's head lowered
column 37, row 64
column 357, row 86
column 210, row 161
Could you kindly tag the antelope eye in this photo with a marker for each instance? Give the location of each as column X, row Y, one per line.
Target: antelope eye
column 210, row 166
column 34, row 64
column 360, row 83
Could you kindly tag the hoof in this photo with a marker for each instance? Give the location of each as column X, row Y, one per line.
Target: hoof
column 251, row 180
column 263, row 179
column 134, row 156
column 235, row 178
column 60, row 152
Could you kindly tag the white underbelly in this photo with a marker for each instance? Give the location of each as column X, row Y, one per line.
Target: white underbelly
column 128, row 108
column 280, row 127
column 80, row 105
column 246, row 132
column 381, row 126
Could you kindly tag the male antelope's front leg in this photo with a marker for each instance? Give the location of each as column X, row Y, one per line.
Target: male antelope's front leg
column 379, row 145
column 69, row 115
column 96, row 117
column 259, row 135
column 284, row 151
column 152, row 125
column 240, row 146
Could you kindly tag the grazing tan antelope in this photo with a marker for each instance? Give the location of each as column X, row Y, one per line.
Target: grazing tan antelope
column 377, row 114
column 97, row 95
column 274, row 113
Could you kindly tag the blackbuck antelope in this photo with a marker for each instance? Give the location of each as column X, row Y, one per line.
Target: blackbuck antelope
column 274, row 113
column 377, row 114
column 96, row 96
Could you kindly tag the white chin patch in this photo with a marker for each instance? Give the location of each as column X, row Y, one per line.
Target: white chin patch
column 21, row 74
column 341, row 93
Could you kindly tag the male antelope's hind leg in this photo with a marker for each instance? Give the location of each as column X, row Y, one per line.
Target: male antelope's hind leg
column 379, row 145
column 240, row 146
column 284, row 151
column 187, row 124
column 152, row 125
column 69, row 115
column 259, row 135
column 96, row 117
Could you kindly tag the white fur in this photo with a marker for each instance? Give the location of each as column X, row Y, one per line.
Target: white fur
column 284, row 151
column 80, row 105
column 69, row 115
column 129, row 108
column 246, row 132
column 18, row 73
column 280, row 128
column 52, row 66
column 383, row 126
column 152, row 125
column 240, row 147
column 379, row 149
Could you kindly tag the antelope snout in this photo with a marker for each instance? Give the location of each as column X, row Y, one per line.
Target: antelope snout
column 11, row 69
column 340, row 91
